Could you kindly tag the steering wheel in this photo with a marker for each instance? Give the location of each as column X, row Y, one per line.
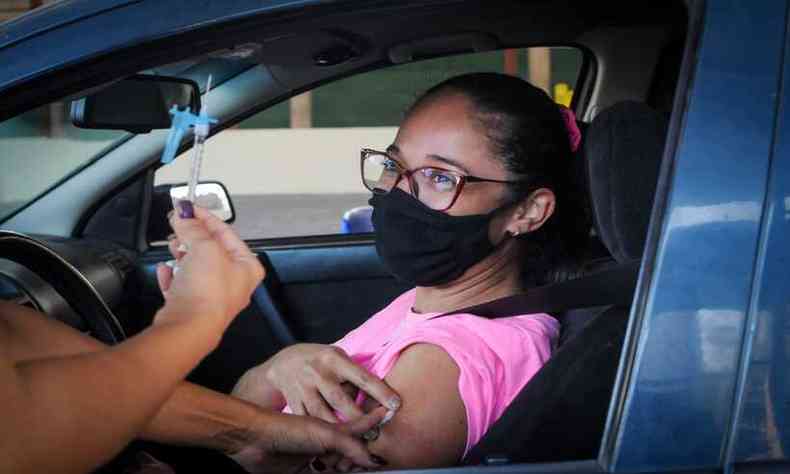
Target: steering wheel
column 55, row 287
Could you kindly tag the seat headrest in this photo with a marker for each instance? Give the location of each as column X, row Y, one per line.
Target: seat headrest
column 623, row 150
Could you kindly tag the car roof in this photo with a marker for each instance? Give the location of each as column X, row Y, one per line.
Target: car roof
column 70, row 30
column 52, row 16
column 79, row 35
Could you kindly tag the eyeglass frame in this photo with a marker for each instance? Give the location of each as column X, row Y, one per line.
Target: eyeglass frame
column 403, row 171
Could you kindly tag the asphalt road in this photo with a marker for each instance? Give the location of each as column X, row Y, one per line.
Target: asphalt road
column 288, row 215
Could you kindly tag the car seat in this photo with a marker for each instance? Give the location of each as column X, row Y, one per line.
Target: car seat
column 560, row 414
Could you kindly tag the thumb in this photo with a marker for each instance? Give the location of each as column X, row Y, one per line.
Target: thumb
column 164, row 276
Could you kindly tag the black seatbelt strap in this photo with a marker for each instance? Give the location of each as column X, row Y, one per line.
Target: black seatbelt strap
column 613, row 286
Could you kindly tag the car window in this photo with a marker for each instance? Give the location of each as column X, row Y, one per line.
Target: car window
column 41, row 147
column 293, row 169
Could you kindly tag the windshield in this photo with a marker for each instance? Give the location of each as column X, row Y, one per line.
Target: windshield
column 41, row 148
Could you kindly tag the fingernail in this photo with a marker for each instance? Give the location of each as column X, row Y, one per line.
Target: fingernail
column 387, row 418
column 185, row 209
column 371, row 434
column 377, row 460
column 394, row 403
column 317, row 465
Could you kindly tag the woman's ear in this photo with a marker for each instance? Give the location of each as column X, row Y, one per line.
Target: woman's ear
column 532, row 212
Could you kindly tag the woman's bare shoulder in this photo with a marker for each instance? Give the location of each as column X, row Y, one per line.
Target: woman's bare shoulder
column 430, row 428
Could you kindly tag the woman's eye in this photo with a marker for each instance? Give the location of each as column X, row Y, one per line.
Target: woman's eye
column 441, row 181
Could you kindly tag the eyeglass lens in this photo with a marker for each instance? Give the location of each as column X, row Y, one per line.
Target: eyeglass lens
column 436, row 188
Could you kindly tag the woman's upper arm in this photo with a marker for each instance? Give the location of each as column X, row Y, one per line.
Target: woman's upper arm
column 430, row 428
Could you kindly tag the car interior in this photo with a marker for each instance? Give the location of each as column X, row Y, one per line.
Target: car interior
column 82, row 250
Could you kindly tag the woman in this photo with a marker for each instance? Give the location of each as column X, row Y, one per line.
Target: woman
column 475, row 187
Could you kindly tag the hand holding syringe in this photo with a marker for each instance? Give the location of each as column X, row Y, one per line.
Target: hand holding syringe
column 183, row 120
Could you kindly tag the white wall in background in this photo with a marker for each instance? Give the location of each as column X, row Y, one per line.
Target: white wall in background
column 285, row 160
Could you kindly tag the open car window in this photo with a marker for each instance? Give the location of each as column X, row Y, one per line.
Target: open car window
column 293, row 169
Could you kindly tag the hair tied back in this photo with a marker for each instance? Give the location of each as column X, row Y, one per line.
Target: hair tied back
column 574, row 134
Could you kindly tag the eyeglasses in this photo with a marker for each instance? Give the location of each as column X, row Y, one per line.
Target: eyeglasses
column 437, row 188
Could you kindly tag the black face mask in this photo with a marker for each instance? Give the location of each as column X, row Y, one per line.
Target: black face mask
column 424, row 247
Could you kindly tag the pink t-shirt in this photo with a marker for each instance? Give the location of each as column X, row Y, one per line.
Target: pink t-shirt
column 496, row 357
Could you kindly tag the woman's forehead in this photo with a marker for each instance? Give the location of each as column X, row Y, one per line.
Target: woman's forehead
column 443, row 132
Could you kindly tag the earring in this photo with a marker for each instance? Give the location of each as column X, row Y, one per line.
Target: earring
column 515, row 233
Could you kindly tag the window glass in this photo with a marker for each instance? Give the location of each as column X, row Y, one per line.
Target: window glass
column 40, row 148
column 293, row 169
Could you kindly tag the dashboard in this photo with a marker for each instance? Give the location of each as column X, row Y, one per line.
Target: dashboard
column 87, row 284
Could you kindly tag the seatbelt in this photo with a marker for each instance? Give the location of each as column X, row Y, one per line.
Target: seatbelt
column 613, row 286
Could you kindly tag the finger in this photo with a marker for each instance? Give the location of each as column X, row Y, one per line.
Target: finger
column 176, row 249
column 344, row 465
column 344, row 444
column 373, row 386
column 365, row 423
column 294, row 402
column 330, row 460
column 339, row 399
column 207, row 227
column 316, row 406
column 223, row 233
column 189, row 231
column 231, row 242
column 297, row 408
column 164, row 276
column 174, row 245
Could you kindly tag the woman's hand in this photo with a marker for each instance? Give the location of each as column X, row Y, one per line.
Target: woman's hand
column 217, row 271
column 314, row 380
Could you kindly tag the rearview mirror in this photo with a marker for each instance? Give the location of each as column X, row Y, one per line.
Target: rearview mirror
column 137, row 104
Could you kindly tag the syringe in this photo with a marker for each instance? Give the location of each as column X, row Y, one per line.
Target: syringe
column 201, row 125
column 201, row 131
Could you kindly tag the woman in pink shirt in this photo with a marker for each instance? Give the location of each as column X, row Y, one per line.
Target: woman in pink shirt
column 474, row 189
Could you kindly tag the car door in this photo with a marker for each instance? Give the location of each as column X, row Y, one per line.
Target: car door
column 706, row 356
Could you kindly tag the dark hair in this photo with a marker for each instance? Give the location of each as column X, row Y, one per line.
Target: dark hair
column 527, row 132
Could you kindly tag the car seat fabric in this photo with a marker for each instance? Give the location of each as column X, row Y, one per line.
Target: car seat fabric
column 623, row 148
column 620, row 163
column 560, row 414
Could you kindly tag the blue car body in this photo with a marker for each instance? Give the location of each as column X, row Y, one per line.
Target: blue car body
column 703, row 380
column 706, row 379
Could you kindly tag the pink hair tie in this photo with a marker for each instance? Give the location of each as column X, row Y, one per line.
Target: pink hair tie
column 574, row 134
